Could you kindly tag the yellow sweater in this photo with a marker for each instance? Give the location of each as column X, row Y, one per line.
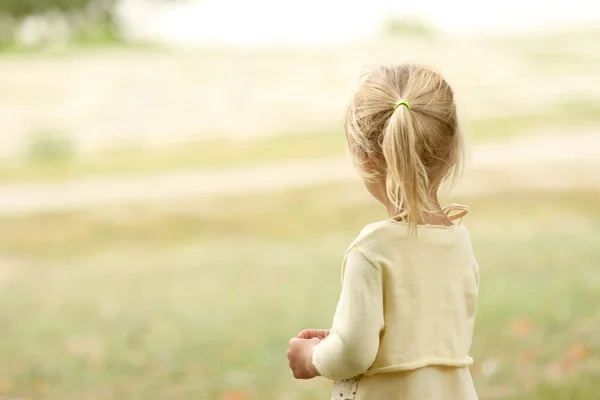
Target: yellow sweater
column 406, row 302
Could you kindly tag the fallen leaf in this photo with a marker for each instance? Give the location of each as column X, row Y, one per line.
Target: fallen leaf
column 235, row 395
column 577, row 352
column 573, row 355
column 522, row 326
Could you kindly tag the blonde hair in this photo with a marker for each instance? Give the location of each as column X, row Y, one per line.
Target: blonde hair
column 415, row 148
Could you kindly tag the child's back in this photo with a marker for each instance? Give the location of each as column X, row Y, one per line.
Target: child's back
column 404, row 322
column 428, row 291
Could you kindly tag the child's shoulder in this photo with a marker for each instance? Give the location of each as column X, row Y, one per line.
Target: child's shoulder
column 369, row 233
column 370, row 230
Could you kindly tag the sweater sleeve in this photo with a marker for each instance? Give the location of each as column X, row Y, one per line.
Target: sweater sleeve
column 352, row 346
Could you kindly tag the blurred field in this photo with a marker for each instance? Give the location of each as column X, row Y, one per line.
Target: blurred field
column 196, row 297
column 56, row 158
column 142, row 97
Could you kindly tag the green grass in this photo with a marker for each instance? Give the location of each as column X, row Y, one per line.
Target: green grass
column 201, row 155
column 408, row 27
column 86, row 32
column 567, row 115
column 198, row 299
column 56, row 160
column 76, row 48
column 581, row 387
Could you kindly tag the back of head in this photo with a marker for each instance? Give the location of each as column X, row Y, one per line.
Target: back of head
column 402, row 127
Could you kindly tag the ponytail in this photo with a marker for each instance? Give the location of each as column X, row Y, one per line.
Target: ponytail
column 402, row 128
column 406, row 177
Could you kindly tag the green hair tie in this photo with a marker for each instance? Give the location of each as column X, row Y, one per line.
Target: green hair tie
column 402, row 102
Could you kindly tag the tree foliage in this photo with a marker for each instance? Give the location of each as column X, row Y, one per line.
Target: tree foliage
column 88, row 20
column 19, row 9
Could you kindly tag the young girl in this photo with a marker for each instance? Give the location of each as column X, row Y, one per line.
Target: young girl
column 404, row 322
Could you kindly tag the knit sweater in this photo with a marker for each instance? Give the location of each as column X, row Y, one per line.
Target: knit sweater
column 406, row 302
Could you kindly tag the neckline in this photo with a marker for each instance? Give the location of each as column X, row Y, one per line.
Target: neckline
column 453, row 211
column 425, row 226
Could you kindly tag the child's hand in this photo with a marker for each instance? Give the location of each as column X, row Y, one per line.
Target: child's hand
column 300, row 357
column 314, row 333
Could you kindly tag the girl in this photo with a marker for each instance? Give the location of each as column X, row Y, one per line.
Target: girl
column 404, row 322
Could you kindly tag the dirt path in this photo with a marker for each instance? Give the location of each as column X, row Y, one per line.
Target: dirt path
column 551, row 162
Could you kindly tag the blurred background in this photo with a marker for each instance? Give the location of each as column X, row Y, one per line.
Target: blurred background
column 175, row 198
